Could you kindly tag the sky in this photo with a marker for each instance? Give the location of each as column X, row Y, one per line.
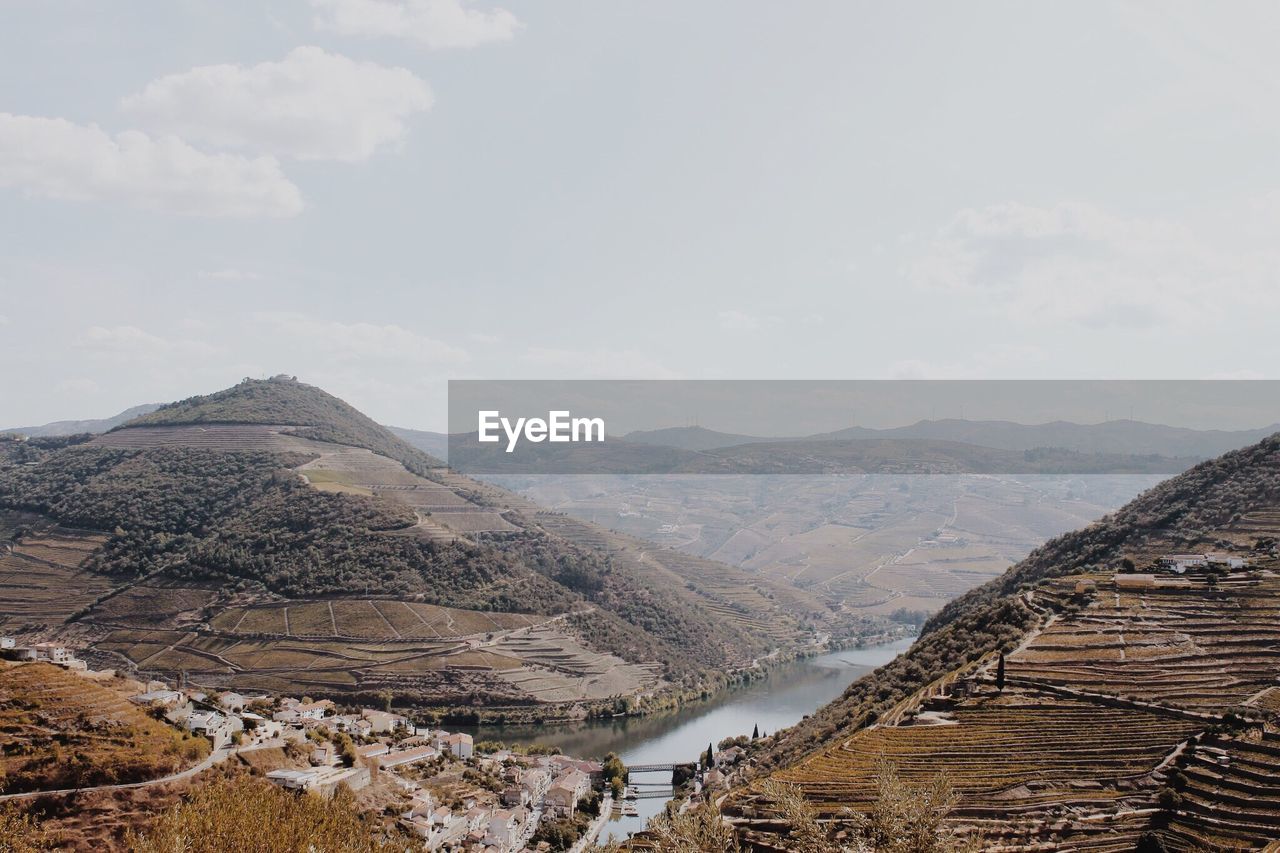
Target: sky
column 381, row 195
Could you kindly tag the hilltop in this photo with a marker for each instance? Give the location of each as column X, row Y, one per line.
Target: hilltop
column 270, row 536
column 284, row 400
column 1165, row 675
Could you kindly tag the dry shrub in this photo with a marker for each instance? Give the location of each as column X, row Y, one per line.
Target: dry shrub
column 251, row 815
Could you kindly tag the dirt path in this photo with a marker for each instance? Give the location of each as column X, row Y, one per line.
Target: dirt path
column 215, row 757
column 383, row 616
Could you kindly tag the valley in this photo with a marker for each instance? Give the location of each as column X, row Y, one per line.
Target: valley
column 1096, row 697
column 869, row 545
column 236, row 541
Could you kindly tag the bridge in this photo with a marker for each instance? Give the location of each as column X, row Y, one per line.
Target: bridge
column 663, row 794
column 651, row 768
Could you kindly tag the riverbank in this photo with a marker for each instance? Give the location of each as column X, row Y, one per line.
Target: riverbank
column 670, row 698
column 781, row 697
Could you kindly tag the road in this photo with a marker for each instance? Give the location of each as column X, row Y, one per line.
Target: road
column 216, row 757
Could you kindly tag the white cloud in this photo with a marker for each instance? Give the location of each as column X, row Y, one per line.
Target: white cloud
column 1004, row 361
column 311, row 105
column 78, row 387
column 58, row 159
column 593, row 364
column 434, row 24
column 1081, row 264
column 359, row 340
column 130, row 343
column 738, row 321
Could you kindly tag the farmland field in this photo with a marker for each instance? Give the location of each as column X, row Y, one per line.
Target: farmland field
column 419, row 651
column 63, row 730
column 41, row 576
column 1113, row 690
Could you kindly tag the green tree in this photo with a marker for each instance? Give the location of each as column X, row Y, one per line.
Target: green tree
column 1000, row 673
column 614, row 773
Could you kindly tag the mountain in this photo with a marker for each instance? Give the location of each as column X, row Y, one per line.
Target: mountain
column 285, row 400
column 1121, row 436
column 692, row 438
column 1086, row 699
column 432, row 443
column 270, row 536
column 800, row 456
column 64, row 428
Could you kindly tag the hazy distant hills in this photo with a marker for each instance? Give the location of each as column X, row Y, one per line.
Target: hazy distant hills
column 814, row 457
column 694, row 438
column 96, row 425
column 1111, row 437
column 1121, row 436
column 929, row 446
column 434, row 443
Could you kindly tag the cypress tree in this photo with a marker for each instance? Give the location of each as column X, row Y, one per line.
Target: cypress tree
column 755, row 732
column 1000, row 673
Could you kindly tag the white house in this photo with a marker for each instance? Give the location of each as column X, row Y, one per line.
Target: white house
column 383, row 722
column 214, row 726
column 293, row 780
column 164, row 698
column 313, row 710
column 563, row 795
column 233, row 702
column 458, row 743
column 536, row 782
column 372, row 750
column 505, row 828
column 407, row 756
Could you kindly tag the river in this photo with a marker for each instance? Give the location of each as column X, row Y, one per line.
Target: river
column 785, row 695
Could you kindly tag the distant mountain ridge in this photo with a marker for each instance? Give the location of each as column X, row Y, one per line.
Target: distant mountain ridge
column 92, row 425
column 695, row 438
column 434, row 443
column 1116, row 437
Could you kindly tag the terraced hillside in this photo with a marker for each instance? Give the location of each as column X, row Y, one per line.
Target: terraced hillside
column 43, row 577
column 271, row 553
column 1136, row 705
column 62, row 730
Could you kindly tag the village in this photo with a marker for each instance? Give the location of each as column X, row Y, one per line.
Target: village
column 439, row 787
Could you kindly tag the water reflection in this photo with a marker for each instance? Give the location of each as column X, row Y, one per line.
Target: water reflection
column 779, row 700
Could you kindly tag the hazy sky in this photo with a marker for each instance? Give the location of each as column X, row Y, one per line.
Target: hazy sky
column 378, row 195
